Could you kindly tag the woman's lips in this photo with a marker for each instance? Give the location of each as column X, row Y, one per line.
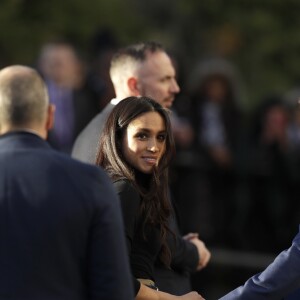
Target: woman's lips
column 150, row 160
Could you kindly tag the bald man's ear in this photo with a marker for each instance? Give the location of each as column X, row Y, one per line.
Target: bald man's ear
column 133, row 86
column 50, row 117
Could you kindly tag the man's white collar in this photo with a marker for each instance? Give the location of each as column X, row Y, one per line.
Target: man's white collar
column 115, row 101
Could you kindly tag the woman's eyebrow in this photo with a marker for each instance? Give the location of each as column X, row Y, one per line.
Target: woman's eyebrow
column 149, row 130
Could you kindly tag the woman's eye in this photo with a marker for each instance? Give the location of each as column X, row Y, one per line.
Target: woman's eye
column 161, row 137
column 141, row 136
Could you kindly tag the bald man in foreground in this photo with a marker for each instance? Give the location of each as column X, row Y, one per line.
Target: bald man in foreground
column 61, row 230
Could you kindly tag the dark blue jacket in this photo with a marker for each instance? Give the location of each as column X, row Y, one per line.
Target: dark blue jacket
column 277, row 281
column 61, row 232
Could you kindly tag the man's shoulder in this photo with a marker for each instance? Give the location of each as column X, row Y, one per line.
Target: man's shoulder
column 76, row 164
column 296, row 240
column 86, row 144
column 76, row 168
column 96, row 123
column 91, row 126
column 89, row 178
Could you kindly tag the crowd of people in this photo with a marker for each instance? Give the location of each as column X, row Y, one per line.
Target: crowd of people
column 232, row 182
column 240, row 173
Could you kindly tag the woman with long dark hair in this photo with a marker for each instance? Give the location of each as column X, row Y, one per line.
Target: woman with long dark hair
column 136, row 147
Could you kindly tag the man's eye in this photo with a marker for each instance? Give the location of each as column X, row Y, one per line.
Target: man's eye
column 166, row 79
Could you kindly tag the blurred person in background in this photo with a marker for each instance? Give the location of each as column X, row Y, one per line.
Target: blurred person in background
column 273, row 211
column 75, row 102
column 104, row 44
column 292, row 100
column 271, row 176
column 215, row 114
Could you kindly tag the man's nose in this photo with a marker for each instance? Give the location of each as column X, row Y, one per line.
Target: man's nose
column 175, row 87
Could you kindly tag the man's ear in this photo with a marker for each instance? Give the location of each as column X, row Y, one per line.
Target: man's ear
column 50, row 117
column 133, row 86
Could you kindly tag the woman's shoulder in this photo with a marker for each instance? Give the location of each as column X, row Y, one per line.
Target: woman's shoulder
column 125, row 186
column 128, row 194
column 123, row 183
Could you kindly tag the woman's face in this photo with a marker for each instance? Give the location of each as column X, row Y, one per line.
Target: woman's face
column 144, row 142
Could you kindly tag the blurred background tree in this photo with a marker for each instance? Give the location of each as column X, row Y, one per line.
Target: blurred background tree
column 260, row 37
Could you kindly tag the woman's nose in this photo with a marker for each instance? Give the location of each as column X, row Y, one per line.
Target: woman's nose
column 152, row 146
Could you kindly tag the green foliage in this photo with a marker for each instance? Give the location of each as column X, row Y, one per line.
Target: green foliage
column 259, row 36
column 27, row 24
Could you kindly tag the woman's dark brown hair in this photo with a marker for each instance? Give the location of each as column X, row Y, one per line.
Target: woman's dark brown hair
column 156, row 204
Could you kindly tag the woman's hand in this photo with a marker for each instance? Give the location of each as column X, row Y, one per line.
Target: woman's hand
column 191, row 296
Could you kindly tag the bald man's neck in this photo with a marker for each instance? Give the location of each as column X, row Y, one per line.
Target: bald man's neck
column 32, row 129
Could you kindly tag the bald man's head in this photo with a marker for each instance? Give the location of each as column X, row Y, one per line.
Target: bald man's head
column 23, row 98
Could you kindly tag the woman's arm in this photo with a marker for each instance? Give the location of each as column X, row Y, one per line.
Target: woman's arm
column 130, row 202
column 146, row 293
